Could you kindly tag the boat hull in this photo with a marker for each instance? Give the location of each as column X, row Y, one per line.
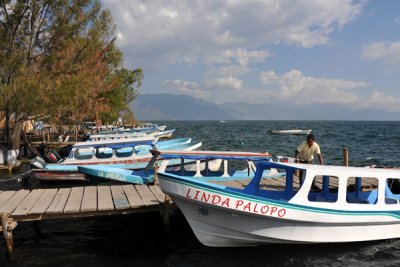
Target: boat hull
column 116, row 174
column 221, row 218
column 67, row 175
column 293, row 132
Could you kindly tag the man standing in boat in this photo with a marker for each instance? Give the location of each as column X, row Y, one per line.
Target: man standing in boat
column 305, row 154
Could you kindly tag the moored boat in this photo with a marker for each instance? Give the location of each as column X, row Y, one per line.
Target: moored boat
column 217, row 166
column 354, row 204
column 116, row 174
column 114, row 153
column 292, row 131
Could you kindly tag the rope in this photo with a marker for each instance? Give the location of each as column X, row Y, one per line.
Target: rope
column 16, row 177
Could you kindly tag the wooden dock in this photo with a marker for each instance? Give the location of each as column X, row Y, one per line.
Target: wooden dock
column 74, row 202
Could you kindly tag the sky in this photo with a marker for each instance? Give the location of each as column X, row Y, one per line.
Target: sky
column 310, row 52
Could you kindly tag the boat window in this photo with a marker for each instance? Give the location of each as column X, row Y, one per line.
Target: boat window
column 104, row 152
column 362, row 190
column 392, row 191
column 84, row 153
column 142, row 149
column 324, row 189
column 279, row 184
column 190, row 165
column 227, row 168
column 124, row 152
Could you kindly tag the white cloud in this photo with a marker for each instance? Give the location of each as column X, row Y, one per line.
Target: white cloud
column 305, row 90
column 240, row 56
column 388, row 52
column 294, row 86
column 186, row 88
column 268, row 77
column 163, row 32
column 229, row 82
column 382, row 101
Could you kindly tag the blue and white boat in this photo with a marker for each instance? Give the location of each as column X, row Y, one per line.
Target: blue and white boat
column 116, row 174
column 214, row 165
column 291, row 131
column 116, row 153
column 106, row 136
column 353, row 204
column 217, row 166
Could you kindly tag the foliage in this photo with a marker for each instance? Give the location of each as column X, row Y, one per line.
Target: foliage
column 120, row 96
column 58, row 59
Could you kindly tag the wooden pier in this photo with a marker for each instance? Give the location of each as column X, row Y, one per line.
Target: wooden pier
column 74, row 202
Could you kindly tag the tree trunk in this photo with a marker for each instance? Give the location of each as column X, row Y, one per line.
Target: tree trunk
column 16, row 134
column 13, row 138
column 8, row 129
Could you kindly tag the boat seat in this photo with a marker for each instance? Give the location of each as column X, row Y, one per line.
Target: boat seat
column 323, row 199
column 389, row 200
column 373, row 197
column 357, row 200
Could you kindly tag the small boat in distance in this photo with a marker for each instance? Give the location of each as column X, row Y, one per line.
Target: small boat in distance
column 292, row 131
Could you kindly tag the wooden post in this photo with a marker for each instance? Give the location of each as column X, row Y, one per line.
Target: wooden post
column 156, row 174
column 345, row 156
column 7, row 226
column 166, row 219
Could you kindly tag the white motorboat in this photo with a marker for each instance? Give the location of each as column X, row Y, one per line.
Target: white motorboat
column 354, row 204
column 292, row 131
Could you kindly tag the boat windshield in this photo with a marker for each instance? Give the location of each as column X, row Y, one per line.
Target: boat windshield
column 328, row 184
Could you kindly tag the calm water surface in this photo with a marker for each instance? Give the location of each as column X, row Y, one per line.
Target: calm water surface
column 139, row 240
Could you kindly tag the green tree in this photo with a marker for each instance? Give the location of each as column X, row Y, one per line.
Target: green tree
column 120, row 96
column 58, row 59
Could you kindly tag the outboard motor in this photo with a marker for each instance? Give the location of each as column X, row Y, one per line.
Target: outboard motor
column 38, row 163
column 53, row 157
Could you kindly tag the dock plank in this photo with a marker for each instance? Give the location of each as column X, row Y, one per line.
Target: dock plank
column 147, row 196
column 5, row 196
column 10, row 205
column 156, row 190
column 59, row 201
column 233, row 183
column 104, row 198
column 243, row 182
column 133, row 197
column 44, row 202
column 119, row 197
column 89, row 201
column 74, row 200
column 27, row 204
column 56, row 203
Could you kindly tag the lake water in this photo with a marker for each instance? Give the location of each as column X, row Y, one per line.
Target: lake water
column 139, row 239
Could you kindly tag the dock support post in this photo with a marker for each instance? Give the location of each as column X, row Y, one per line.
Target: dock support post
column 155, row 174
column 345, row 156
column 166, row 220
column 7, row 226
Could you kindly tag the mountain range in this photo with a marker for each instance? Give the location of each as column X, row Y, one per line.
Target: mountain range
column 184, row 107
